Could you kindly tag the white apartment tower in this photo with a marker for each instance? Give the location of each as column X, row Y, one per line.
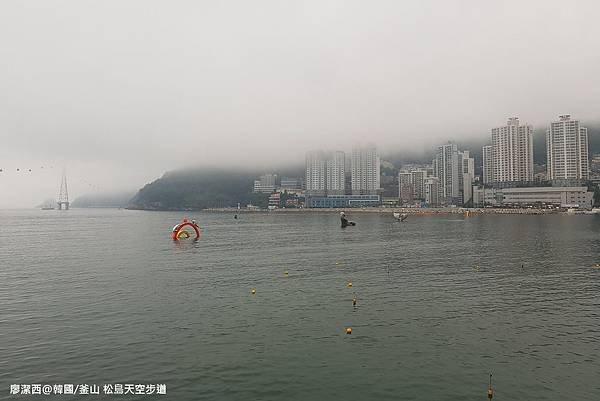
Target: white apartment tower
column 512, row 152
column 325, row 173
column 487, row 164
column 446, row 169
column 315, row 173
column 567, row 150
column 365, row 171
column 336, row 173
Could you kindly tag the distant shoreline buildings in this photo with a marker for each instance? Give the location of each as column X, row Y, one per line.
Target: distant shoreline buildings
column 508, row 174
column 326, row 178
column 325, row 173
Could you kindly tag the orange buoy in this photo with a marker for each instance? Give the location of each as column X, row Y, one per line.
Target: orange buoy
column 349, row 284
column 349, row 330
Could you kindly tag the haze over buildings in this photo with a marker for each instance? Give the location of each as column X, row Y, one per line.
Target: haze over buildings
column 121, row 92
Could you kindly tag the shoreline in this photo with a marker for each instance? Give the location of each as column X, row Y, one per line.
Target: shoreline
column 386, row 210
column 409, row 211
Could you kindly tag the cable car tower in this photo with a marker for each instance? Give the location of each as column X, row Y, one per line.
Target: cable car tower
column 63, row 195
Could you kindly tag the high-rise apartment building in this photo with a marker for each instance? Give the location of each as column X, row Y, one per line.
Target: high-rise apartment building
column 456, row 171
column 411, row 183
column 266, row 183
column 466, row 175
column 405, row 187
column 315, row 179
column 431, row 188
column 366, row 171
column 567, row 150
column 512, row 152
column 325, row 173
column 446, row 169
column 487, row 165
column 418, row 179
column 336, row 173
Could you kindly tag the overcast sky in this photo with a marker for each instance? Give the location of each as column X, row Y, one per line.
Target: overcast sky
column 120, row 91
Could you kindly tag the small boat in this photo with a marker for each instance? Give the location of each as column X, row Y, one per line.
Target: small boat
column 400, row 216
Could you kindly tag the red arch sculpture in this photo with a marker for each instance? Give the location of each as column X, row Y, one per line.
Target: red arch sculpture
column 185, row 222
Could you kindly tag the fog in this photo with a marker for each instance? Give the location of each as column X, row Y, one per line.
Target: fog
column 117, row 92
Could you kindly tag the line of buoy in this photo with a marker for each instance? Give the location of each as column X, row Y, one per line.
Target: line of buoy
column 490, row 390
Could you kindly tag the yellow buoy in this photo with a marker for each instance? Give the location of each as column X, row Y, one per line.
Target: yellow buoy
column 354, row 301
column 349, row 284
column 285, row 272
column 348, row 330
column 253, row 291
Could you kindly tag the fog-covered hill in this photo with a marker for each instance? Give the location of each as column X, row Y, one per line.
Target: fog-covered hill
column 197, row 189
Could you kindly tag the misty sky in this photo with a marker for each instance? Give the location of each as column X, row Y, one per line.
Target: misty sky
column 120, row 91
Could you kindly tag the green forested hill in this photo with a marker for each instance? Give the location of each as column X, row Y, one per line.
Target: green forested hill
column 199, row 189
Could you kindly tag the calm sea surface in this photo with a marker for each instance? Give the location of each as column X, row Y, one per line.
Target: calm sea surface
column 105, row 296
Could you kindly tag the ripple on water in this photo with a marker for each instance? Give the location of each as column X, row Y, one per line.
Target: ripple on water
column 441, row 302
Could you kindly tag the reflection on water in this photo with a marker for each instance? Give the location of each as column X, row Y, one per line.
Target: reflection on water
column 440, row 303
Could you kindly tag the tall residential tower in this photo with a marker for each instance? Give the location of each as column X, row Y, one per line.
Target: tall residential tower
column 512, row 152
column 446, row 169
column 336, row 173
column 366, row 171
column 325, row 173
column 567, row 150
column 315, row 173
column 487, row 164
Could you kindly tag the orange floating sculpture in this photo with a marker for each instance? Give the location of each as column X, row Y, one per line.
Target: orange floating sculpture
column 179, row 232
